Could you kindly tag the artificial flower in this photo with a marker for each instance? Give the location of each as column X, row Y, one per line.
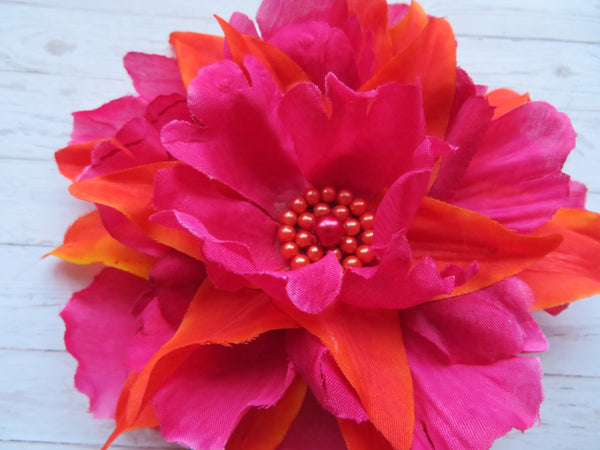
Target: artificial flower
column 324, row 235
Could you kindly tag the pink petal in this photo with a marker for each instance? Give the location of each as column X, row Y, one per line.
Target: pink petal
column 107, row 157
column 105, row 121
column 243, row 24
column 366, row 144
column 201, row 403
column 465, row 89
column 166, row 108
column 319, row 49
column 314, row 362
column 275, row 14
column 314, row 428
column 142, row 139
column 577, row 195
column 154, row 75
column 256, row 160
column 480, row 327
column 100, row 328
column 515, row 176
column 470, row 406
column 396, row 13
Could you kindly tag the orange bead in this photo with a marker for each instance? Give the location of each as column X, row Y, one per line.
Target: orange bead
column 365, row 254
column 289, row 250
column 312, row 196
column 306, row 221
column 348, row 245
column 328, row 194
column 344, row 197
column 367, row 237
column 341, row 212
column 351, row 227
column 299, row 261
column 286, row 233
column 298, row 205
column 304, row 239
column 367, row 220
column 321, row 209
column 337, row 252
column 358, row 206
column 288, row 217
column 315, row 252
column 351, row 261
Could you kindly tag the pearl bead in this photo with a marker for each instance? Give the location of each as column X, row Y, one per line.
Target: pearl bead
column 365, row 254
column 289, row 250
column 303, row 239
column 286, row 233
column 306, row 221
column 320, row 209
column 367, row 220
column 358, row 206
column 344, row 197
column 312, row 196
column 351, row 227
column 341, row 212
column 351, row 261
column 299, row 261
column 348, row 245
column 288, row 217
column 367, row 237
column 329, row 230
column 328, row 194
column 298, row 205
column 315, row 252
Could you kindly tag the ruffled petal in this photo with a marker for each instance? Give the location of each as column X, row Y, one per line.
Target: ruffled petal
column 195, row 51
column 153, row 75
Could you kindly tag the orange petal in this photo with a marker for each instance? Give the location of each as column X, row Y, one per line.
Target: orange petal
column 404, row 33
column 284, row 71
column 87, row 242
column 571, row 272
column 505, row 100
column 373, row 17
column 265, row 428
column 431, row 60
column 453, row 235
column 130, row 192
column 368, row 347
column 359, row 436
column 213, row 317
column 195, row 51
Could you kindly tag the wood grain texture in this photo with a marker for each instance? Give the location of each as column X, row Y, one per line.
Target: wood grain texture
column 59, row 56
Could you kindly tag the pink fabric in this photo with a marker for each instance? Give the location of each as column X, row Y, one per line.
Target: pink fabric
column 167, row 108
column 154, row 75
column 201, row 403
column 243, row 24
column 577, row 195
column 99, row 329
column 397, row 12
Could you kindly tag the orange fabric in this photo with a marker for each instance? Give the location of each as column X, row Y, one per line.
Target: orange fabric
column 505, row 100
column 361, row 436
column 195, row 51
column 130, row 192
column 284, row 71
column 213, row 317
column 570, row 272
column 453, row 235
column 373, row 17
column 431, row 60
column 368, row 347
column 404, row 33
column 265, row 428
column 87, row 242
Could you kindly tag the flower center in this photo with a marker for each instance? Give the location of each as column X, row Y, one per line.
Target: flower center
column 323, row 221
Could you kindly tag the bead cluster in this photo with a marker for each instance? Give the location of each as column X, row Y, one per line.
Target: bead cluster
column 323, row 221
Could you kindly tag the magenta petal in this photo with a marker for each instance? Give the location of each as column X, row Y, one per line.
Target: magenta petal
column 256, row 159
column 366, row 144
column 313, row 428
column 275, row 14
column 314, row 362
column 99, row 330
column 515, row 176
column 105, row 121
column 154, row 75
column 107, row 157
column 577, row 195
column 243, row 24
column 201, row 403
column 142, row 139
column 470, row 406
column 396, row 13
column 481, row 327
column 166, row 108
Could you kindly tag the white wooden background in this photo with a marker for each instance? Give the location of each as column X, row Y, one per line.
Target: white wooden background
column 57, row 56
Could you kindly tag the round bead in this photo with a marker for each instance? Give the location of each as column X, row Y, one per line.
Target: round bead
column 288, row 217
column 367, row 237
column 351, row 261
column 286, row 233
column 306, row 221
column 298, row 205
column 365, row 254
column 344, row 197
column 312, row 196
column 337, row 252
column 329, row 230
column 315, row 252
column 299, row 261
column 303, row 239
column 348, row 245
column 341, row 212
column 351, row 227
column 367, row 220
column 320, row 209
column 358, row 206
column 328, row 194
column 289, row 250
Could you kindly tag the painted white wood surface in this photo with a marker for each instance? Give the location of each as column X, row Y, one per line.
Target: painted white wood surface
column 58, row 56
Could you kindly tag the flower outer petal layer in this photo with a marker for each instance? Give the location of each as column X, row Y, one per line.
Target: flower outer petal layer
column 195, row 51
column 153, row 75
column 73, row 159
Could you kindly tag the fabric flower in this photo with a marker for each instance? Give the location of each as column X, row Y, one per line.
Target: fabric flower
column 322, row 236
